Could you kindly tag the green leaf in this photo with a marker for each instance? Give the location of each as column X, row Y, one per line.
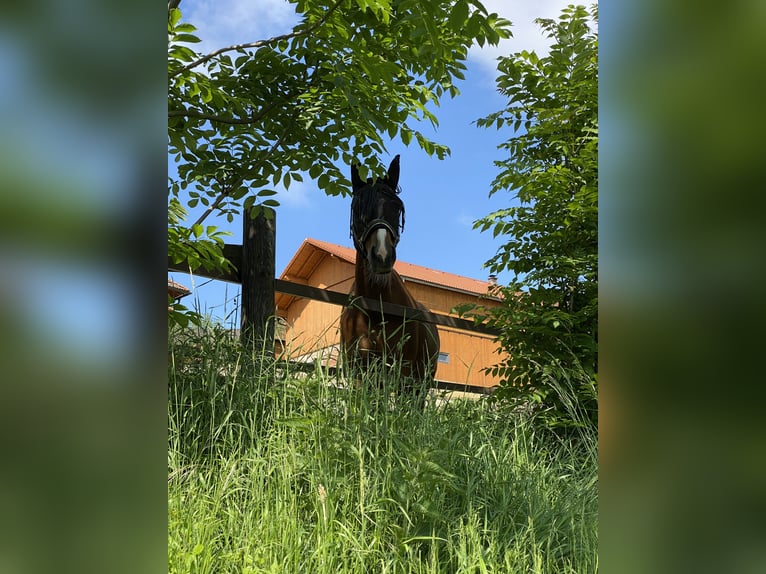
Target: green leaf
column 314, row 171
column 185, row 27
column 458, row 16
column 188, row 38
column 174, row 16
column 473, row 26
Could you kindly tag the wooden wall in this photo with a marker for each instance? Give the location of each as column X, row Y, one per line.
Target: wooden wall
column 468, row 353
column 314, row 325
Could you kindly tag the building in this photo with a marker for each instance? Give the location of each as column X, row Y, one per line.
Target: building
column 176, row 291
column 312, row 327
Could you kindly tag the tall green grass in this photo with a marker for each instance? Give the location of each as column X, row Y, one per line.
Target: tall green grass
column 273, row 471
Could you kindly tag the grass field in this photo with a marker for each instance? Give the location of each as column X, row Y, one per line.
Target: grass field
column 286, row 473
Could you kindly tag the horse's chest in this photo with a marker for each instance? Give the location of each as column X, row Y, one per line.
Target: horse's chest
column 381, row 336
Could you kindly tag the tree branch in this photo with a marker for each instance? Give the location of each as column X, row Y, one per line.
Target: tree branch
column 220, row 119
column 190, row 113
column 259, row 43
column 239, row 180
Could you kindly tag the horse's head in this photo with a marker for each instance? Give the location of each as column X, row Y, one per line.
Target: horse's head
column 377, row 220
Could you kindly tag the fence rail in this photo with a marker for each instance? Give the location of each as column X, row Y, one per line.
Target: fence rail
column 344, row 300
column 391, row 309
column 309, row 367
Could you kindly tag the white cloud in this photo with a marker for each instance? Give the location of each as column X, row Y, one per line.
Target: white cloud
column 299, row 194
column 527, row 35
column 466, row 220
column 222, row 23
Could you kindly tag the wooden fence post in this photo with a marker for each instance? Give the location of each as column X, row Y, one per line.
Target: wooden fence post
column 257, row 276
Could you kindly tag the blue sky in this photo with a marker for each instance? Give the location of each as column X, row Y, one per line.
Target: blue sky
column 442, row 197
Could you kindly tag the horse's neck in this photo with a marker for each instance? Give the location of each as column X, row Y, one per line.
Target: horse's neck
column 393, row 291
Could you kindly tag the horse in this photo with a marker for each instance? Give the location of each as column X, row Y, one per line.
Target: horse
column 377, row 221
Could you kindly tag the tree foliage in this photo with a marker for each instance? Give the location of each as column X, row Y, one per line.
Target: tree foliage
column 549, row 319
column 352, row 74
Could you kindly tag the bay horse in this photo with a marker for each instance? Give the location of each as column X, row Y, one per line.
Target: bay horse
column 377, row 221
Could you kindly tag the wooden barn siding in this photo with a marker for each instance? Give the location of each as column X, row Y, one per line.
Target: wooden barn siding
column 313, row 325
column 468, row 353
column 443, row 300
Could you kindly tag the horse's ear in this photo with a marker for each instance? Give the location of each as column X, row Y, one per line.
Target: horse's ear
column 356, row 181
column 393, row 173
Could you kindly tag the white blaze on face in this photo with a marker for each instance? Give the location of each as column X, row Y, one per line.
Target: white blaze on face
column 381, row 241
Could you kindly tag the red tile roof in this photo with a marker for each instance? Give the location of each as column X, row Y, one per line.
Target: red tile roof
column 176, row 290
column 305, row 261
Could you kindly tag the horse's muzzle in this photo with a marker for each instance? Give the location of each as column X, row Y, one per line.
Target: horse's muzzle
column 381, row 253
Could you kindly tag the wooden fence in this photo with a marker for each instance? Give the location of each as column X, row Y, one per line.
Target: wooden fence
column 254, row 268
